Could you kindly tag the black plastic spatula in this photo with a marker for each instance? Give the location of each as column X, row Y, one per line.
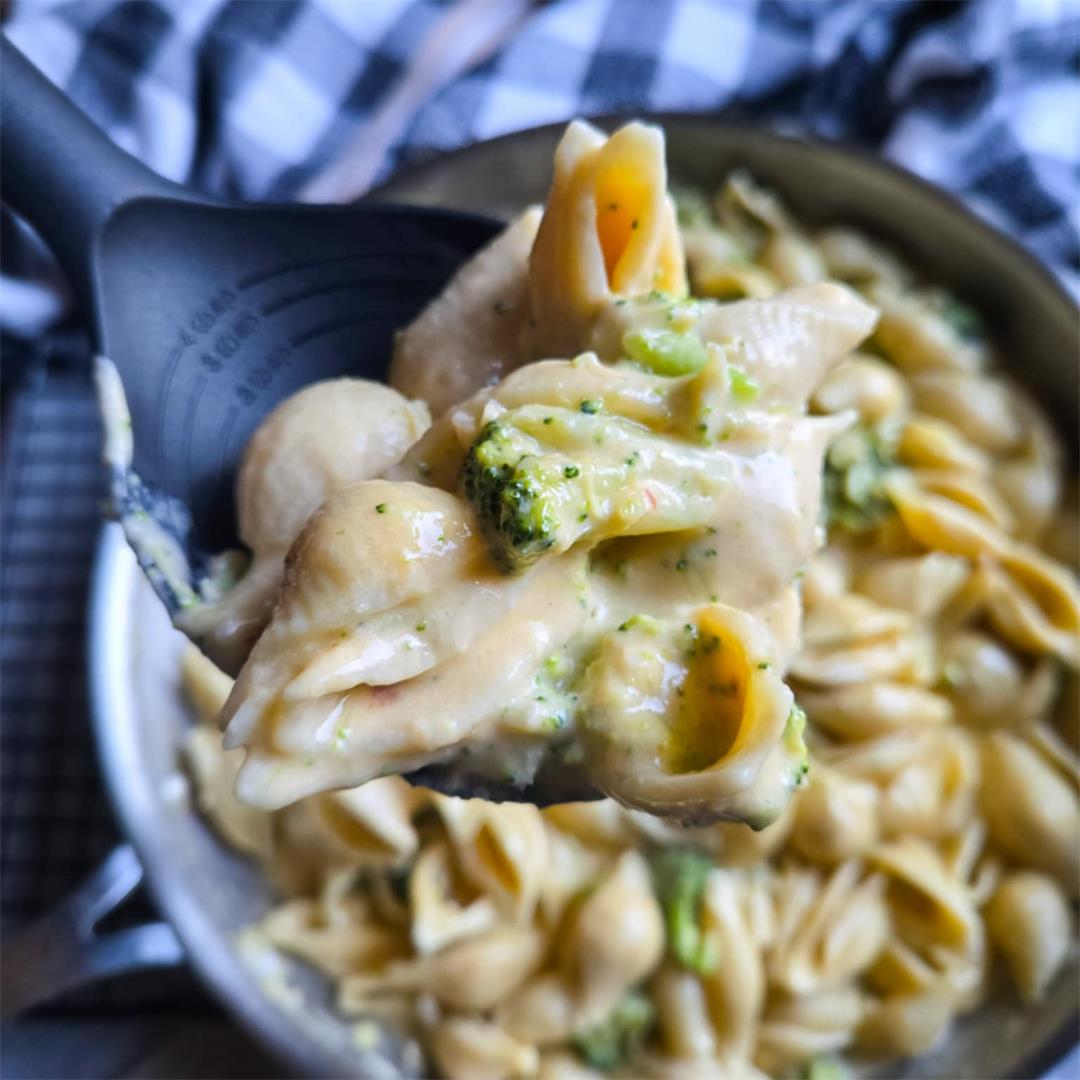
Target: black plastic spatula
column 212, row 314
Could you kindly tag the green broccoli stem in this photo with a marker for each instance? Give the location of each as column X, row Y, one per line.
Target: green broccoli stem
column 680, row 878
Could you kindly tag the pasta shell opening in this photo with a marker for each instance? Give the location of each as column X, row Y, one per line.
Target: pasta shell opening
column 715, row 712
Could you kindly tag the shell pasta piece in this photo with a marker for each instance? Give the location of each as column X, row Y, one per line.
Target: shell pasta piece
column 608, row 228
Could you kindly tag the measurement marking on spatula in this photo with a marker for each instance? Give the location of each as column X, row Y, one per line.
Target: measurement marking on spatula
column 259, row 377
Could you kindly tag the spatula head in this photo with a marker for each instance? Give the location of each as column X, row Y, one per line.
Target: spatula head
column 213, row 315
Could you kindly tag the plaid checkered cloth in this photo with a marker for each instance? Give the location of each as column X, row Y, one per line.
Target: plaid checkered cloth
column 317, row 100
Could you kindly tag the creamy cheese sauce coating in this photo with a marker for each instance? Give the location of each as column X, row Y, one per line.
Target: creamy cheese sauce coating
column 665, row 471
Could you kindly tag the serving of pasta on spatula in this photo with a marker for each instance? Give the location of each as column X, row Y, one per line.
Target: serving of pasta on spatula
column 581, row 578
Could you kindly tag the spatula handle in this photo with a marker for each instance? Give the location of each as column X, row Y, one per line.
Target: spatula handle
column 60, row 171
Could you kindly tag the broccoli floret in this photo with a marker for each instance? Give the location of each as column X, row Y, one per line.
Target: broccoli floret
column 679, row 877
column 855, row 468
column 543, row 478
column 504, row 481
column 616, row 1040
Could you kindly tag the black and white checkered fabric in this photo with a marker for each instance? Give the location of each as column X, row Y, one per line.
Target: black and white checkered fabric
column 275, row 99
column 256, row 99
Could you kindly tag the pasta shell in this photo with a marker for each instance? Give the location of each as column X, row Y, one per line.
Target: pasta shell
column 907, row 1024
column 796, row 1029
column 916, row 337
column 501, row 848
column 213, row 771
column 609, row 227
column 849, row 639
column 940, row 524
column 790, row 342
column 968, row 858
column 614, row 939
column 987, row 684
column 339, row 951
column 835, row 818
column 934, row 795
column 342, row 570
column 970, row 490
column 1035, row 605
column 476, row 973
column 867, row 709
column 929, row 443
column 921, row 584
column 750, row 210
column 729, row 281
column 227, row 629
column 873, row 388
column 470, row 1049
column 1032, row 812
column 470, row 335
column 829, row 931
column 851, row 256
column 441, row 912
column 980, row 407
column 735, row 990
column 368, row 825
column 316, row 442
column 682, row 1013
column 543, row 1012
column 933, row 912
column 326, row 436
column 715, row 748
column 205, row 685
column 1030, row 923
column 792, row 259
column 342, row 740
column 827, row 577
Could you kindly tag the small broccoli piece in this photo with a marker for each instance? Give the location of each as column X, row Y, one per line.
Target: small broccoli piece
column 855, row 467
column 665, row 352
column 828, row 1068
column 963, row 318
column 679, row 877
column 795, row 743
column 692, row 208
column 744, row 388
column 616, row 1040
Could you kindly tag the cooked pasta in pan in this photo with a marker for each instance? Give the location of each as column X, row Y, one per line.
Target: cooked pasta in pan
column 895, row 745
